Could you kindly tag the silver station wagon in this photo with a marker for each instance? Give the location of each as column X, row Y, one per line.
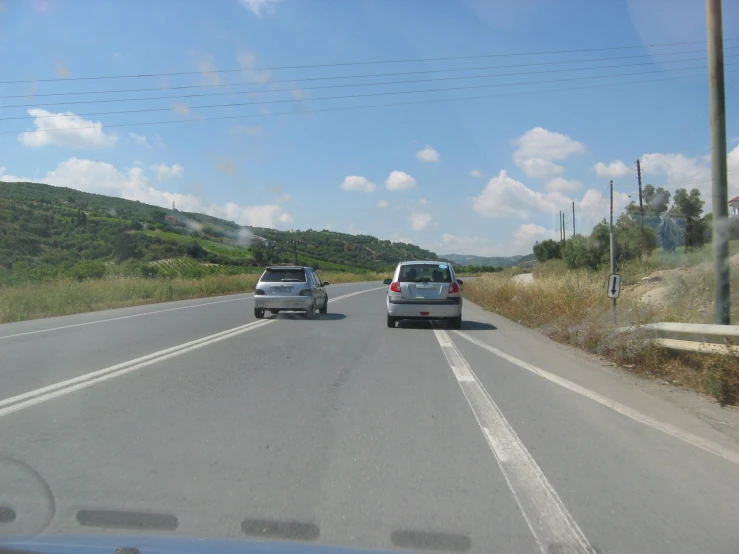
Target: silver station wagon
column 424, row 290
column 290, row 288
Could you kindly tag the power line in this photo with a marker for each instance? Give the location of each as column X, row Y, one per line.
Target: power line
column 345, row 64
column 350, row 85
column 345, row 108
column 362, row 76
column 348, row 96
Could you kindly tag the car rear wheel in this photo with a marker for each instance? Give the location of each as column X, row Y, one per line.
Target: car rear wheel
column 324, row 308
column 259, row 313
column 310, row 313
column 391, row 321
column 456, row 322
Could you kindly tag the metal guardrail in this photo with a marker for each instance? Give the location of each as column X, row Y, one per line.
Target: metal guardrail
column 692, row 337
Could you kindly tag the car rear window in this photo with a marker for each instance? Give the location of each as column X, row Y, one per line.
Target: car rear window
column 425, row 273
column 277, row 275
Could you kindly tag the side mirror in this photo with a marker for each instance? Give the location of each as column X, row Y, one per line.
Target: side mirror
column 460, row 282
column 326, row 283
column 387, row 281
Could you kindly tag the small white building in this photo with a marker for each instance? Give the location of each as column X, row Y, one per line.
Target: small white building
column 734, row 206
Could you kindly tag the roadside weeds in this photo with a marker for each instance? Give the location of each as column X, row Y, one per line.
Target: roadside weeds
column 69, row 296
column 571, row 307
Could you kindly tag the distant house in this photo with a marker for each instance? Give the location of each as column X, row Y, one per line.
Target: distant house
column 734, row 206
column 172, row 220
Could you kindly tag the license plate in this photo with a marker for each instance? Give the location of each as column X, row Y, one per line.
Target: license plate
column 282, row 289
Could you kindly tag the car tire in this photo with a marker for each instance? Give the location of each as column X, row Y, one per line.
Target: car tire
column 391, row 321
column 259, row 313
column 310, row 313
column 456, row 322
column 324, row 308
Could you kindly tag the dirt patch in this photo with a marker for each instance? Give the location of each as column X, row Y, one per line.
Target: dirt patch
column 656, row 287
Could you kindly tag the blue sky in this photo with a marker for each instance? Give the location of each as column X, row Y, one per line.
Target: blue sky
column 448, row 170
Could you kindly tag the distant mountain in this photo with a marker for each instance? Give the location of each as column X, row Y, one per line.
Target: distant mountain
column 49, row 226
column 497, row 261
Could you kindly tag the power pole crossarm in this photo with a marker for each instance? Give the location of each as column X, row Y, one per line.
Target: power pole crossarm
column 721, row 296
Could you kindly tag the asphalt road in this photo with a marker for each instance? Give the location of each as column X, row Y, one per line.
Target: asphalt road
column 193, row 419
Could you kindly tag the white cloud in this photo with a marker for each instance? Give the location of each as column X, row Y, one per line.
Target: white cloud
column 9, row 178
column 357, row 183
column 612, row 170
column 65, row 129
column 505, row 196
column 529, row 233
column 258, row 7
column 454, row 244
column 209, row 71
column 428, row 154
column 246, row 60
column 420, row 221
column 164, row 171
column 538, row 148
column 140, row 139
column 400, row 180
column 424, row 202
column 475, row 172
column 383, row 204
column 558, row 184
column 133, row 184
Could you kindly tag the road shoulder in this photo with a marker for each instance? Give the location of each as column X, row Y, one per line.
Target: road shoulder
column 682, row 408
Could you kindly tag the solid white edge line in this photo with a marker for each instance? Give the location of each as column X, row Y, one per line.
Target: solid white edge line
column 551, row 524
column 30, row 398
column 703, row 444
column 85, row 323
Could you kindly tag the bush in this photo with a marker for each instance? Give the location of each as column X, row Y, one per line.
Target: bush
column 88, row 269
column 583, row 252
column 547, row 250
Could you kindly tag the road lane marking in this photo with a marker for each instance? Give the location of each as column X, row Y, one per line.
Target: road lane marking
column 703, row 444
column 121, row 317
column 552, row 526
column 37, row 396
column 72, row 325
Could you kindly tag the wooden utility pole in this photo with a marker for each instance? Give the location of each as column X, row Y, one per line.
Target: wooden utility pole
column 721, row 295
column 573, row 219
column 641, row 209
column 613, row 256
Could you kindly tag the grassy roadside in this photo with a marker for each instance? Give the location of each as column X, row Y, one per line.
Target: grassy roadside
column 571, row 307
column 67, row 296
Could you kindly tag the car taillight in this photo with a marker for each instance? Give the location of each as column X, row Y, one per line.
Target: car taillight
column 453, row 288
column 258, row 292
column 306, row 292
column 394, row 287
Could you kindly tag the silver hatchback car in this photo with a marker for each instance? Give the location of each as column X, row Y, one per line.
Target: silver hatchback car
column 290, row 288
column 424, row 290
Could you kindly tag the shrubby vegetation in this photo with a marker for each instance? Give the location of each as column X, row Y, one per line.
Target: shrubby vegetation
column 666, row 227
column 49, row 233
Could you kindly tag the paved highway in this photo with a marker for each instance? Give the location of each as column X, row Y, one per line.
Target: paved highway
column 193, row 419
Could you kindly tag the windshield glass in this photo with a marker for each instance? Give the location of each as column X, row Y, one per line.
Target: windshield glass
column 434, row 273
column 429, row 276
column 276, row 275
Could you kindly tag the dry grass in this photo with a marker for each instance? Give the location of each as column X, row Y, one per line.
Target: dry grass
column 572, row 307
column 66, row 297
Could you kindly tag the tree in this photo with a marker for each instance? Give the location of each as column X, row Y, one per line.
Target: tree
column 581, row 252
column 194, row 250
column 547, row 250
column 690, row 206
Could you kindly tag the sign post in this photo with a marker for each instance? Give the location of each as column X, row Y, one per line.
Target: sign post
column 614, row 291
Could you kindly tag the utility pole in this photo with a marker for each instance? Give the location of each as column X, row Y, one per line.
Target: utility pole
column 613, row 256
column 721, row 298
column 641, row 210
column 564, row 230
column 560, row 226
column 573, row 219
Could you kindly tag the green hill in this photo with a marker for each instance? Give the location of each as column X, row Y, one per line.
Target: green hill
column 48, row 231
